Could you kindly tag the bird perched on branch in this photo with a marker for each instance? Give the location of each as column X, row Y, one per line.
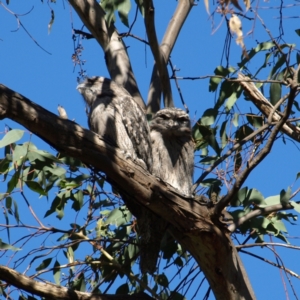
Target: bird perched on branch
column 173, row 148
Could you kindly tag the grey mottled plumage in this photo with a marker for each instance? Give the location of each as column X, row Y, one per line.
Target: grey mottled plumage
column 115, row 116
column 173, row 148
column 173, row 162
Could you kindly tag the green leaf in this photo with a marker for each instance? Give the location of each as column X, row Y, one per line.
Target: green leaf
column 226, row 90
column 133, row 250
column 243, row 132
column 272, row 200
column 118, row 216
column 4, row 246
column 55, row 170
column 78, row 200
column 176, row 296
column 253, row 197
column 221, row 71
column 162, row 280
column 209, row 116
column 254, row 120
column 35, row 187
column 279, row 225
column 285, row 196
column 211, row 182
column 44, row 264
column 260, row 47
column 140, row 4
column 178, row 261
column 13, row 181
column 296, row 206
column 124, row 7
column 209, row 160
column 42, row 156
column 58, row 204
column 237, row 90
column 8, row 203
column 16, row 211
column 123, row 289
column 223, row 135
column 208, row 136
column 20, row 153
column 79, row 283
column 11, row 137
column 275, row 92
column 239, row 197
column 56, row 272
column 281, row 60
column 235, row 120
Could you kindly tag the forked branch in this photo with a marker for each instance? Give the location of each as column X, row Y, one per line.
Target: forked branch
column 182, row 10
column 116, row 57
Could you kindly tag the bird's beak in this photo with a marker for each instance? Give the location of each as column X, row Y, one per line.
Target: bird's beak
column 80, row 87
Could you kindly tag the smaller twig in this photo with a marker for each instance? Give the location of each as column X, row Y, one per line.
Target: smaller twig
column 271, row 263
column 32, row 211
column 84, row 34
column 125, row 34
column 177, row 86
column 267, row 244
column 20, row 23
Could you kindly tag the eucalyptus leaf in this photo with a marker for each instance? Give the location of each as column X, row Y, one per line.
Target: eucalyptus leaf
column 44, row 264
column 4, row 246
column 11, row 137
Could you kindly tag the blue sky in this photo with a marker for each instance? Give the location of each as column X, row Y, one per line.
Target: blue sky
column 50, row 80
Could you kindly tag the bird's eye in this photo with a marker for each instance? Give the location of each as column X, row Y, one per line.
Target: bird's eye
column 165, row 117
column 182, row 119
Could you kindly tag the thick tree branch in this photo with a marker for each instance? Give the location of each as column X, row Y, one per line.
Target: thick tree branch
column 52, row 291
column 167, row 44
column 190, row 221
column 263, row 153
column 116, row 57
